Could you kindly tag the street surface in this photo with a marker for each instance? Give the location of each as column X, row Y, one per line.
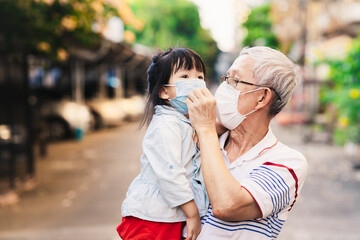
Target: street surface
column 81, row 185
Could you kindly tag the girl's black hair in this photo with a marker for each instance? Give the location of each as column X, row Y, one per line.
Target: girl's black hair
column 164, row 64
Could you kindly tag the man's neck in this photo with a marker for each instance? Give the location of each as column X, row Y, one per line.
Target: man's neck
column 245, row 137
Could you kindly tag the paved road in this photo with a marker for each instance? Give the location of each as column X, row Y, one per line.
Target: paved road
column 81, row 186
column 80, row 189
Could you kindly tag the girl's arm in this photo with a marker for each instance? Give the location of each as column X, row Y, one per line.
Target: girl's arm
column 193, row 222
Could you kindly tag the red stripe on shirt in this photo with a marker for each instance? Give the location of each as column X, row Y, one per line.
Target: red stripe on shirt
column 256, row 203
column 268, row 147
column 292, row 172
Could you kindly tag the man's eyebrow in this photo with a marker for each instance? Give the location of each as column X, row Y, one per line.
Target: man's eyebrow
column 229, row 72
column 233, row 73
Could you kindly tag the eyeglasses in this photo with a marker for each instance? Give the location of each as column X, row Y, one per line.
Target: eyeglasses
column 233, row 81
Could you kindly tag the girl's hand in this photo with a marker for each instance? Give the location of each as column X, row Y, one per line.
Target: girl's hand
column 193, row 222
column 193, row 225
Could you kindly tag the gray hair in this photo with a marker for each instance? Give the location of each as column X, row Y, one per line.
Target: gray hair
column 272, row 68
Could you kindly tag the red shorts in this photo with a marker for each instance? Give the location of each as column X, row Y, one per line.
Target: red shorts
column 132, row 228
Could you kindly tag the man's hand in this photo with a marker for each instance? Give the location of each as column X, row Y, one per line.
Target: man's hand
column 202, row 109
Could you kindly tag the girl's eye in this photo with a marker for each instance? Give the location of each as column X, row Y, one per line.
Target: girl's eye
column 185, row 76
column 200, row 77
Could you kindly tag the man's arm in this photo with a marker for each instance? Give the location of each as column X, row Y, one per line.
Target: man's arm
column 229, row 200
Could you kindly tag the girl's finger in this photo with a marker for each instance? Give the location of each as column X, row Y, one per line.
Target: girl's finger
column 189, row 237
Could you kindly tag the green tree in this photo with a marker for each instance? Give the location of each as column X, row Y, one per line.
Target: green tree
column 48, row 26
column 173, row 23
column 258, row 26
column 344, row 93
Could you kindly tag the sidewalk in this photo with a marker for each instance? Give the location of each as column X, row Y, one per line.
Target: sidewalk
column 80, row 187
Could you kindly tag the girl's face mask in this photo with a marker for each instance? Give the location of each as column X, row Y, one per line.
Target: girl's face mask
column 183, row 88
column 227, row 105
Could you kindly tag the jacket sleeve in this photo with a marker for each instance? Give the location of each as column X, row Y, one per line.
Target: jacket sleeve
column 163, row 147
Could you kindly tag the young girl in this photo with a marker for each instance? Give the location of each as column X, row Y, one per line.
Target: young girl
column 168, row 191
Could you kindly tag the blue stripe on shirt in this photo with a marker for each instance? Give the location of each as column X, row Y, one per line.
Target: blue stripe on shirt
column 263, row 180
column 273, row 193
column 240, row 227
column 266, row 227
column 268, row 180
column 278, row 185
column 279, row 180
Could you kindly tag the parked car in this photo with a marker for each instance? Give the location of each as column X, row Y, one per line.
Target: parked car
column 106, row 112
column 133, row 107
column 113, row 112
column 65, row 118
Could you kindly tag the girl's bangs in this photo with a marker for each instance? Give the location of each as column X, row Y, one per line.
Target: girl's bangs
column 187, row 60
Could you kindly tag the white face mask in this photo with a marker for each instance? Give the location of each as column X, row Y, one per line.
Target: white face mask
column 226, row 105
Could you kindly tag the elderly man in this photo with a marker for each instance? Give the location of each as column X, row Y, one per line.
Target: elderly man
column 251, row 178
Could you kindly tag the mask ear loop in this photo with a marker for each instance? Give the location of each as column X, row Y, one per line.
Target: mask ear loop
column 168, row 85
column 254, row 90
column 250, row 112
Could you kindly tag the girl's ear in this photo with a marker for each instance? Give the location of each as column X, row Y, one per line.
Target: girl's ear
column 163, row 93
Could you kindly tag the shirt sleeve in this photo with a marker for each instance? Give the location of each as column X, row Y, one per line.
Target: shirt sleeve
column 163, row 147
column 273, row 186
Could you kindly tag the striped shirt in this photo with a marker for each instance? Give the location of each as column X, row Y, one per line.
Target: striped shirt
column 273, row 174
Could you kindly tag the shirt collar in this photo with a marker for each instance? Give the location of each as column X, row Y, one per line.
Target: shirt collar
column 164, row 109
column 266, row 143
column 223, row 139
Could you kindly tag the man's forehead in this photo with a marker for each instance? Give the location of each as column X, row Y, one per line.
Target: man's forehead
column 243, row 63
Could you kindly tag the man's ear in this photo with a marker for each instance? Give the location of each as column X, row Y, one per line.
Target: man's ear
column 265, row 98
column 163, row 93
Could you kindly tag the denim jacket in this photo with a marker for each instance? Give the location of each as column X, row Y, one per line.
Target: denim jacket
column 170, row 171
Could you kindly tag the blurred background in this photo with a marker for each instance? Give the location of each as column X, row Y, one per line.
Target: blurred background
column 73, row 88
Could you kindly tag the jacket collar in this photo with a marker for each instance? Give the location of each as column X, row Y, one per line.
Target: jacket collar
column 168, row 110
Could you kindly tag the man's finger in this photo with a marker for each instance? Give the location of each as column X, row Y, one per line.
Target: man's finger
column 192, row 96
column 206, row 92
column 198, row 93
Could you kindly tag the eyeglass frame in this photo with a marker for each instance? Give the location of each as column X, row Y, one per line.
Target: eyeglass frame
column 224, row 78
